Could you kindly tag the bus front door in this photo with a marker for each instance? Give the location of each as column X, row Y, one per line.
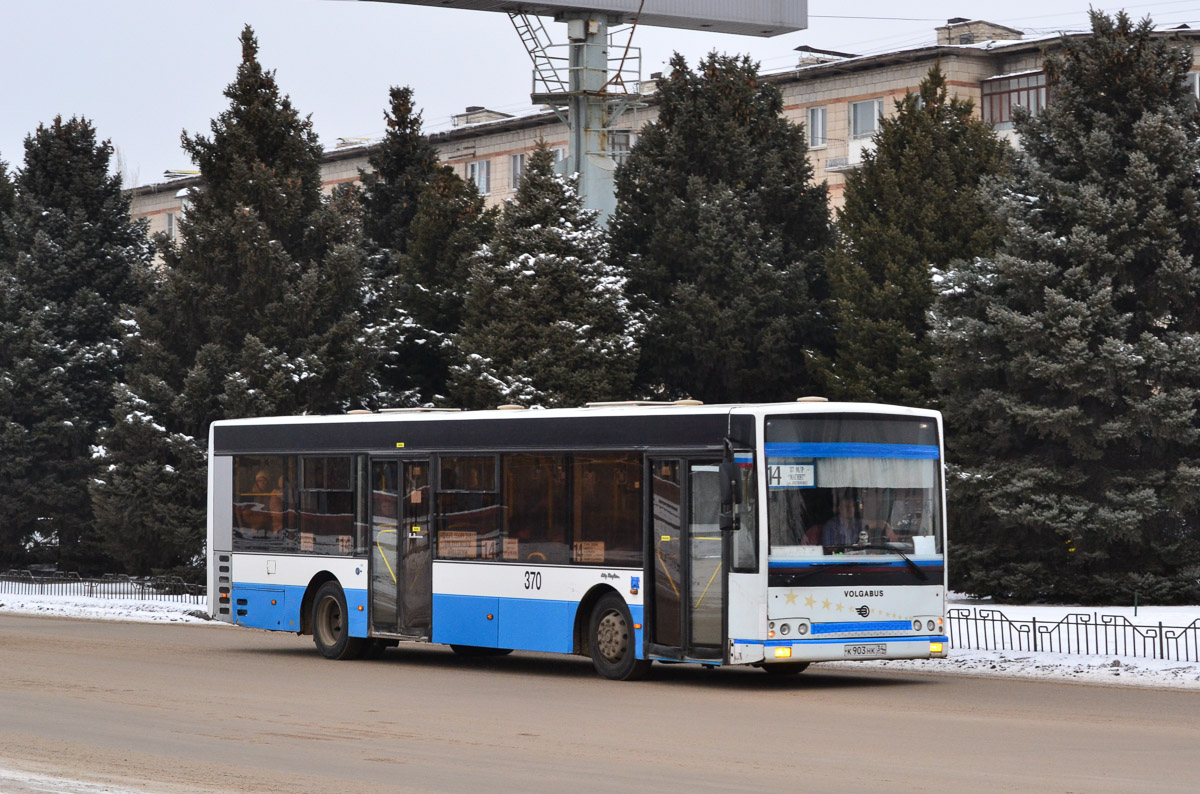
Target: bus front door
column 687, row 571
column 401, row 574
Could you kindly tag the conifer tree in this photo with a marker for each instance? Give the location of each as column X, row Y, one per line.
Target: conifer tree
column 721, row 234
column 67, row 267
column 546, row 320
column 258, row 310
column 422, row 222
column 1072, row 358
column 7, row 191
column 402, row 165
column 912, row 205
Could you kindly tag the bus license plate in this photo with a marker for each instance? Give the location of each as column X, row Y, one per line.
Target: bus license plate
column 861, row 651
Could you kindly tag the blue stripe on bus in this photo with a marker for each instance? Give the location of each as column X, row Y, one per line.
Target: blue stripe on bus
column 852, row 450
column 259, row 612
column 524, row 624
column 870, row 625
column 841, row 561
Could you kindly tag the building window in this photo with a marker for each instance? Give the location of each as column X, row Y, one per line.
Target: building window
column 479, row 173
column 999, row 95
column 864, row 118
column 1193, row 84
column 816, row 127
column 517, row 168
column 620, row 143
column 559, row 152
column 169, row 226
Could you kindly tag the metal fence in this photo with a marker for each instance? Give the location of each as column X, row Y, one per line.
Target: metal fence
column 973, row 628
column 149, row 588
column 1089, row 633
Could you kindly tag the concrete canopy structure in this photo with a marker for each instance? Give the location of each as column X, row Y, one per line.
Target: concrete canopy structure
column 743, row 17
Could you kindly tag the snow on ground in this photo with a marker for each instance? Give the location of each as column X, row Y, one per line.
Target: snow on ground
column 1111, row 670
column 105, row 608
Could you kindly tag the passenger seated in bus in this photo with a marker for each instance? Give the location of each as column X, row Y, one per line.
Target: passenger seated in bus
column 261, row 510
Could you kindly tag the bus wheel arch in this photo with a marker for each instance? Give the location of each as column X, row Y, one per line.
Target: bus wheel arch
column 310, row 594
column 583, row 618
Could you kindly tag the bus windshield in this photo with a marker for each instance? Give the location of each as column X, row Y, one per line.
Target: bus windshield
column 853, row 484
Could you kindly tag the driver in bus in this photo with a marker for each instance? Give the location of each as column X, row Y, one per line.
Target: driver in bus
column 843, row 528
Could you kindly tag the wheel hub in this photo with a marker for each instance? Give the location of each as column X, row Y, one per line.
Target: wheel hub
column 612, row 636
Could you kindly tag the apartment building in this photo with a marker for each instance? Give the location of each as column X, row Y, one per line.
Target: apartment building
column 840, row 98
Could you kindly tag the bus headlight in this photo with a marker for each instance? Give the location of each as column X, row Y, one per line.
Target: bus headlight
column 802, row 629
column 785, row 629
column 916, row 625
column 931, row 625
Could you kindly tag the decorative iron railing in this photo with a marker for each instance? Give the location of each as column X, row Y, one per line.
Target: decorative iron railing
column 1087, row 633
column 972, row 628
column 149, row 588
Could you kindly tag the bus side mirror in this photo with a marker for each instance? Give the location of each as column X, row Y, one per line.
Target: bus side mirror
column 728, row 474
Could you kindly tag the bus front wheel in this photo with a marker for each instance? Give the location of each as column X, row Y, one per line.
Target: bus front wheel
column 614, row 641
column 331, row 624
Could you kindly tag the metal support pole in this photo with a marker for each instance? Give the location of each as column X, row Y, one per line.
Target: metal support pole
column 588, row 153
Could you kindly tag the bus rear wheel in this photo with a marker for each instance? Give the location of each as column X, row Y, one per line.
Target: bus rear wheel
column 331, row 624
column 614, row 641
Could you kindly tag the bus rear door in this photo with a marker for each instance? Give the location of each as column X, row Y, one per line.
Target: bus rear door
column 401, row 573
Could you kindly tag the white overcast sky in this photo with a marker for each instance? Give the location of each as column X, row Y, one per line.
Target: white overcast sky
column 144, row 70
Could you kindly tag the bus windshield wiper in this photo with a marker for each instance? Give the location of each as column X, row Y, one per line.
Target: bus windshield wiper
column 885, row 547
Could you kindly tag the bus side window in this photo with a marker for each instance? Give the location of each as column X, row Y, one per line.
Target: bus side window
column 327, row 505
column 607, row 509
column 263, row 504
column 468, row 509
column 536, row 504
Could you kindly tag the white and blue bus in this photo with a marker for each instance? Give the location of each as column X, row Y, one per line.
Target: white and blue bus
column 771, row 535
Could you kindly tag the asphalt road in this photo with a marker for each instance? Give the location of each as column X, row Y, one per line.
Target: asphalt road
column 187, row 708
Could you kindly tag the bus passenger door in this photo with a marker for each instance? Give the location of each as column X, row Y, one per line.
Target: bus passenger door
column 416, row 597
column 401, row 578
column 385, row 545
column 686, row 570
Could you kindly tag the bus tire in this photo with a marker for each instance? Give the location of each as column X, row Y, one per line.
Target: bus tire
column 613, row 641
column 785, row 668
column 331, row 624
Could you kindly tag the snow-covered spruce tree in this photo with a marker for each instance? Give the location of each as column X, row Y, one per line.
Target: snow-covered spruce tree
column 722, row 236
column 400, row 167
column 913, row 204
column 67, row 264
column 256, row 311
column 1072, row 359
column 546, row 319
column 423, row 222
